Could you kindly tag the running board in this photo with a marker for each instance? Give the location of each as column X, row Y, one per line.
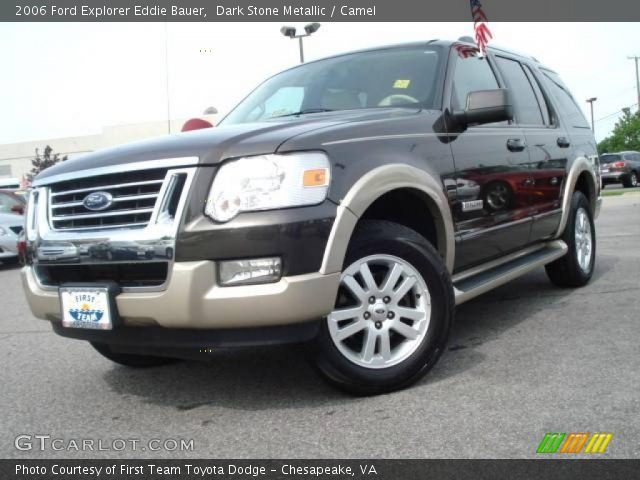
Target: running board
column 477, row 281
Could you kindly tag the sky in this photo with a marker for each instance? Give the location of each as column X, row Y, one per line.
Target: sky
column 70, row 79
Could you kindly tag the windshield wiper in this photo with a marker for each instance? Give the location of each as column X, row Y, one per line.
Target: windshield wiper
column 304, row 112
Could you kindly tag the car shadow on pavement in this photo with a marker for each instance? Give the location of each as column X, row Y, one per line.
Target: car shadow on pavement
column 487, row 317
column 9, row 266
column 280, row 378
column 261, row 378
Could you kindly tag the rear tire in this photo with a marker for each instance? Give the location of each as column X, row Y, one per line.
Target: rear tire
column 631, row 181
column 403, row 301
column 575, row 269
column 131, row 360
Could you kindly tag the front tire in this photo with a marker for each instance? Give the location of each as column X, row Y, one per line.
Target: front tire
column 393, row 313
column 131, row 360
column 575, row 269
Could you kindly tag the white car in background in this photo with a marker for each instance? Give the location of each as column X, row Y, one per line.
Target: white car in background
column 11, row 226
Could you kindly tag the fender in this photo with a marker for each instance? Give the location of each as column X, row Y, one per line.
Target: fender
column 579, row 165
column 369, row 188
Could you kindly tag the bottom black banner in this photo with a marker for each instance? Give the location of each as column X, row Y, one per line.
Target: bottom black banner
column 318, row 469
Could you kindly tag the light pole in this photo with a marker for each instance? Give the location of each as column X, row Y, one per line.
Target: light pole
column 636, row 57
column 590, row 102
column 291, row 33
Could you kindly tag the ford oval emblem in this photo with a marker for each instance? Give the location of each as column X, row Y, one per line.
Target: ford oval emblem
column 97, row 201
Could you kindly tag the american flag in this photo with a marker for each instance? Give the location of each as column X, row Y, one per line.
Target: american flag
column 483, row 34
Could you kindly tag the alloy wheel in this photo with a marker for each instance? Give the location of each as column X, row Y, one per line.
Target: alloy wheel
column 583, row 239
column 382, row 313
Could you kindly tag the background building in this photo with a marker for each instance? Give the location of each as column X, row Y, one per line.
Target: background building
column 15, row 158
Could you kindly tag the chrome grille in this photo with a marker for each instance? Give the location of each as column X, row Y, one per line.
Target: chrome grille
column 134, row 195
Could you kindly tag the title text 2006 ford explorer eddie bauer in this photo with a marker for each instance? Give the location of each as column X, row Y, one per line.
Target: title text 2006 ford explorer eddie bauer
column 350, row 202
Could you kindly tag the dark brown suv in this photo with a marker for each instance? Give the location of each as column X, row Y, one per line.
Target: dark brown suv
column 349, row 202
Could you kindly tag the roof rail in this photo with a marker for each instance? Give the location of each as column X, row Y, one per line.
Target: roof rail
column 513, row 52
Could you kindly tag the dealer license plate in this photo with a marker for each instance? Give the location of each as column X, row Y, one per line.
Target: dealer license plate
column 86, row 307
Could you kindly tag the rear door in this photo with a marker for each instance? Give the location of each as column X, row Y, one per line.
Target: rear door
column 548, row 145
column 491, row 211
column 572, row 123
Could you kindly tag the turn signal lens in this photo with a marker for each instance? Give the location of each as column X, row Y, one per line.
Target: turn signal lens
column 315, row 178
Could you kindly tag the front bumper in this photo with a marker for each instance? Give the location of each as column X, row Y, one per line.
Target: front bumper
column 167, row 270
column 193, row 300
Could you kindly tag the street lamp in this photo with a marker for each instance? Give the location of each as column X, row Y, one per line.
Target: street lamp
column 291, row 33
column 590, row 102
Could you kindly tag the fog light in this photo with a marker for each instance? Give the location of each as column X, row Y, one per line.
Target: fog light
column 247, row 272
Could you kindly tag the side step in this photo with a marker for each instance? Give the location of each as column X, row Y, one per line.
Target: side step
column 474, row 282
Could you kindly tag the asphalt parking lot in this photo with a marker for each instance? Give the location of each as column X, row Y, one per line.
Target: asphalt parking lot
column 523, row 360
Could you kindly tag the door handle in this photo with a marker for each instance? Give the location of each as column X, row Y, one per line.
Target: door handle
column 563, row 142
column 516, row 145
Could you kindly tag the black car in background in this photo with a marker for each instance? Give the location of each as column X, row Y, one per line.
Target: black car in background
column 622, row 167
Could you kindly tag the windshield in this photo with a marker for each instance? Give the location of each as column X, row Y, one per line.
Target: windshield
column 610, row 158
column 397, row 77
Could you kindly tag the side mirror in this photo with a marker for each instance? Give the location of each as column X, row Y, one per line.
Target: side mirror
column 486, row 106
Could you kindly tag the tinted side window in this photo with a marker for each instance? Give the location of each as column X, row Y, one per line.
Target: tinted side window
column 542, row 101
column 527, row 109
column 472, row 74
column 565, row 100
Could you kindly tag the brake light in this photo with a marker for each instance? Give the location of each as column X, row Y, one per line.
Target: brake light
column 618, row 164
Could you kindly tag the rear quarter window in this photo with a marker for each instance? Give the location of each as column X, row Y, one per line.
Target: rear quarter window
column 568, row 106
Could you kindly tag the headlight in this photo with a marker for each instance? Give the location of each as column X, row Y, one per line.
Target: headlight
column 268, row 182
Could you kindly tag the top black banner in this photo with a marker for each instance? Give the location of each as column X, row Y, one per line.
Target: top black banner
column 310, row 10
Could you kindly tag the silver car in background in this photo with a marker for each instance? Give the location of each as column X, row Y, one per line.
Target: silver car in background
column 11, row 226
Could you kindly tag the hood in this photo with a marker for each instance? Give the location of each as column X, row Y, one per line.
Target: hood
column 212, row 145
